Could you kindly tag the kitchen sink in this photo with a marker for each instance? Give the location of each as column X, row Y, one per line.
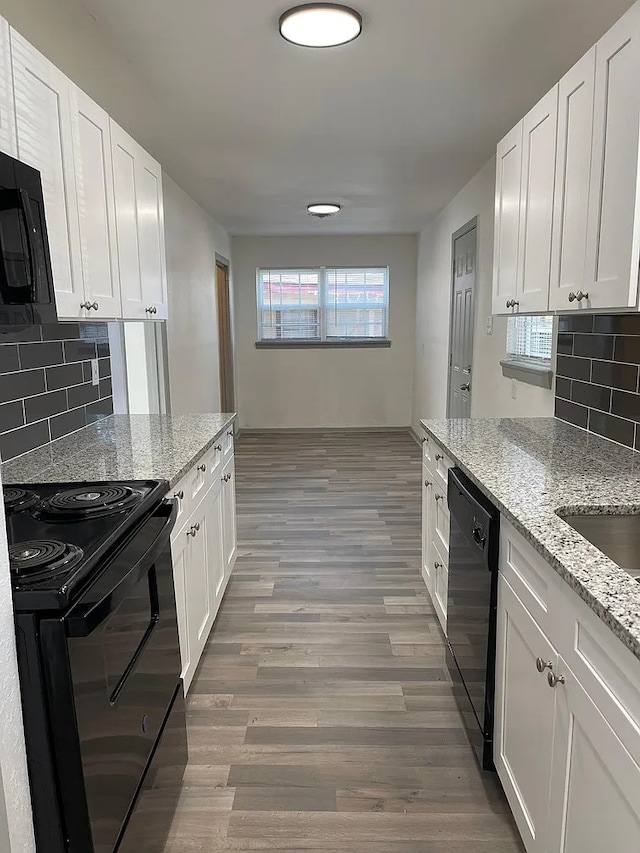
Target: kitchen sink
column 617, row 536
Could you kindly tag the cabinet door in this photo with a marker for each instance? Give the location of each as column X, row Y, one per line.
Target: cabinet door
column 153, row 271
column 8, row 142
column 215, row 543
column 123, row 152
column 199, row 615
column 524, row 714
column 539, row 135
column 96, row 209
column 613, row 232
column 427, row 511
column 573, row 168
column 43, row 123
column 229, row 536
column 595, row 788
column 507, row 220
column 180, row 543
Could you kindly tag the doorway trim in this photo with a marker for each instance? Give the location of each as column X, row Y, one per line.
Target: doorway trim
column 226, row 372
column 469, row 226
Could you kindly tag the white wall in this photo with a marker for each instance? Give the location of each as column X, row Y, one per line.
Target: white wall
column 491, row 396
column 192, row 240
column 16, row 828
column 325, row 387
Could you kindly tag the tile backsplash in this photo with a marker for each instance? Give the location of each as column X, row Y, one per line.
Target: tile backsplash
column 598, row 375
column 46, row 389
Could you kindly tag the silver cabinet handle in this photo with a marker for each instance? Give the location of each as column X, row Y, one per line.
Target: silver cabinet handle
column 202, row 468
column 437, row 566
column 541, row 664
column 554, row 679
column 466, row 386
column 580, row 296
column 572, row 297
column 439, row 456
column 428, row 484
column 151, row 310
column 226, row 478
column 438, row 497
column 424, row 440
column 179, row 495
column 231, row 433
column 512, row 303
column 218, row 447
column 95, row 306
column 193, row 530
column 86, row 305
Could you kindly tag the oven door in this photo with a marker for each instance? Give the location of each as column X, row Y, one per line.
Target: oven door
column 124, row 663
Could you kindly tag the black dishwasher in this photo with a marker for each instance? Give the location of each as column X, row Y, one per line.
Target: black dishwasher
column 471, row 609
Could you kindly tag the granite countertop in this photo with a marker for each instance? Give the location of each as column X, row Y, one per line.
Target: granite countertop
column 532, row 468
column 122, row 447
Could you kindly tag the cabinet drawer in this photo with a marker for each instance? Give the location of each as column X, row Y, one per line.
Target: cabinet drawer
column 531, row 577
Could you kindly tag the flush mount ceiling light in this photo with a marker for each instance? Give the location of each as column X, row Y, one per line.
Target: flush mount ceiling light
column 320, row 25
column 323, row 210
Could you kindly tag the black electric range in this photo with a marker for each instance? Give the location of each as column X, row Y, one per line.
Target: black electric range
column 98, row 654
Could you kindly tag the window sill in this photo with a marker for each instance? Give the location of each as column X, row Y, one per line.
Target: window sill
column 354, row 344
column 524, row 371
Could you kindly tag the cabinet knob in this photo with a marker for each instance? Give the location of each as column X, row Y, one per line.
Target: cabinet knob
column 437, row 566
column 193, row 530
column 512, row 303
column 202, row 468
column 231, row 433
column 554, row 679
column 86, row 305
column 466, row 386
column 572, row 297
column 179, row 495
column 428, row 484
column 94, row 305
column 580, row 296
column 439, row 456
column 151, row 310
column 226, row 478
column 438, row 497
column 424, row 440
column 218, row 447
column 541, row 664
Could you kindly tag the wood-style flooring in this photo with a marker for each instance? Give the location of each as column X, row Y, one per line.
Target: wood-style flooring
column 321, row 717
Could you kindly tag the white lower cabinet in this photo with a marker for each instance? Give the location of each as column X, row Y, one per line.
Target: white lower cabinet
column 435, row 526
column 523, row 742
column 567, row 735
column 203, row 551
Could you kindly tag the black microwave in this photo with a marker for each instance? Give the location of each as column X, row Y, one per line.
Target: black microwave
column 26, row 282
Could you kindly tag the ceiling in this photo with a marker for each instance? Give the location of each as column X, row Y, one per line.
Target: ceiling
column 390, row 126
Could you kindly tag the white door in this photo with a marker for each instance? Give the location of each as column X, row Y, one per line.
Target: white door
column 124, row 151
column 96, row 209
column 215, row 542
column 199, row 615
column 539, row 134
column 573, row 168
column 524, row 717
column 461, row 344
column 43, row 122
column 595, row 789
column 507, row 220
column 8, row 142
column 427, row 503
column 613, row 234
column 229, row 534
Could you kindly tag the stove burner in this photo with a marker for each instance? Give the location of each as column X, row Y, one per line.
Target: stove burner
column 17, row 500
column 42, row 559
column 97, row 502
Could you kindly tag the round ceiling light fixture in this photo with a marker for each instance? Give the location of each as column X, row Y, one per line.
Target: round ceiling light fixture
column 322, row 210
column 320, row 25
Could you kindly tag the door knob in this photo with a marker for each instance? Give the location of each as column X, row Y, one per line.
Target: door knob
column 465, row 387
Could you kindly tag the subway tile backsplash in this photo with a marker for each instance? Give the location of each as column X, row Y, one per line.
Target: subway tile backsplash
column 598, row 375
column 45, row 383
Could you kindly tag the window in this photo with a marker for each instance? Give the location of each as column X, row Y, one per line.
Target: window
column 530, row 339
column 323, row 304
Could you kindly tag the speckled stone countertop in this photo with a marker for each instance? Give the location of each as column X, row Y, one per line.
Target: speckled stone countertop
column 122, row 447
column 533, row 468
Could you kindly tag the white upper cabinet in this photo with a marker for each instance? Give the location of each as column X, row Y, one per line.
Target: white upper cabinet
column 140, row 229
column 8, row 142
column 539, row 131
column 507, row 221
column 613, row 232
column 44, row 136
column 96, row 210
column 573, row 167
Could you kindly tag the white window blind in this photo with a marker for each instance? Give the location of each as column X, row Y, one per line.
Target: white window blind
column 323, row 304
column 530, row 339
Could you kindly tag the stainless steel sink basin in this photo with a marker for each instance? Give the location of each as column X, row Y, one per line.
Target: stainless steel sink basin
column 617, row 536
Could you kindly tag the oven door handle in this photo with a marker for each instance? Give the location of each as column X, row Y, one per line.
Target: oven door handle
column 85, row 622
column 30, row 228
